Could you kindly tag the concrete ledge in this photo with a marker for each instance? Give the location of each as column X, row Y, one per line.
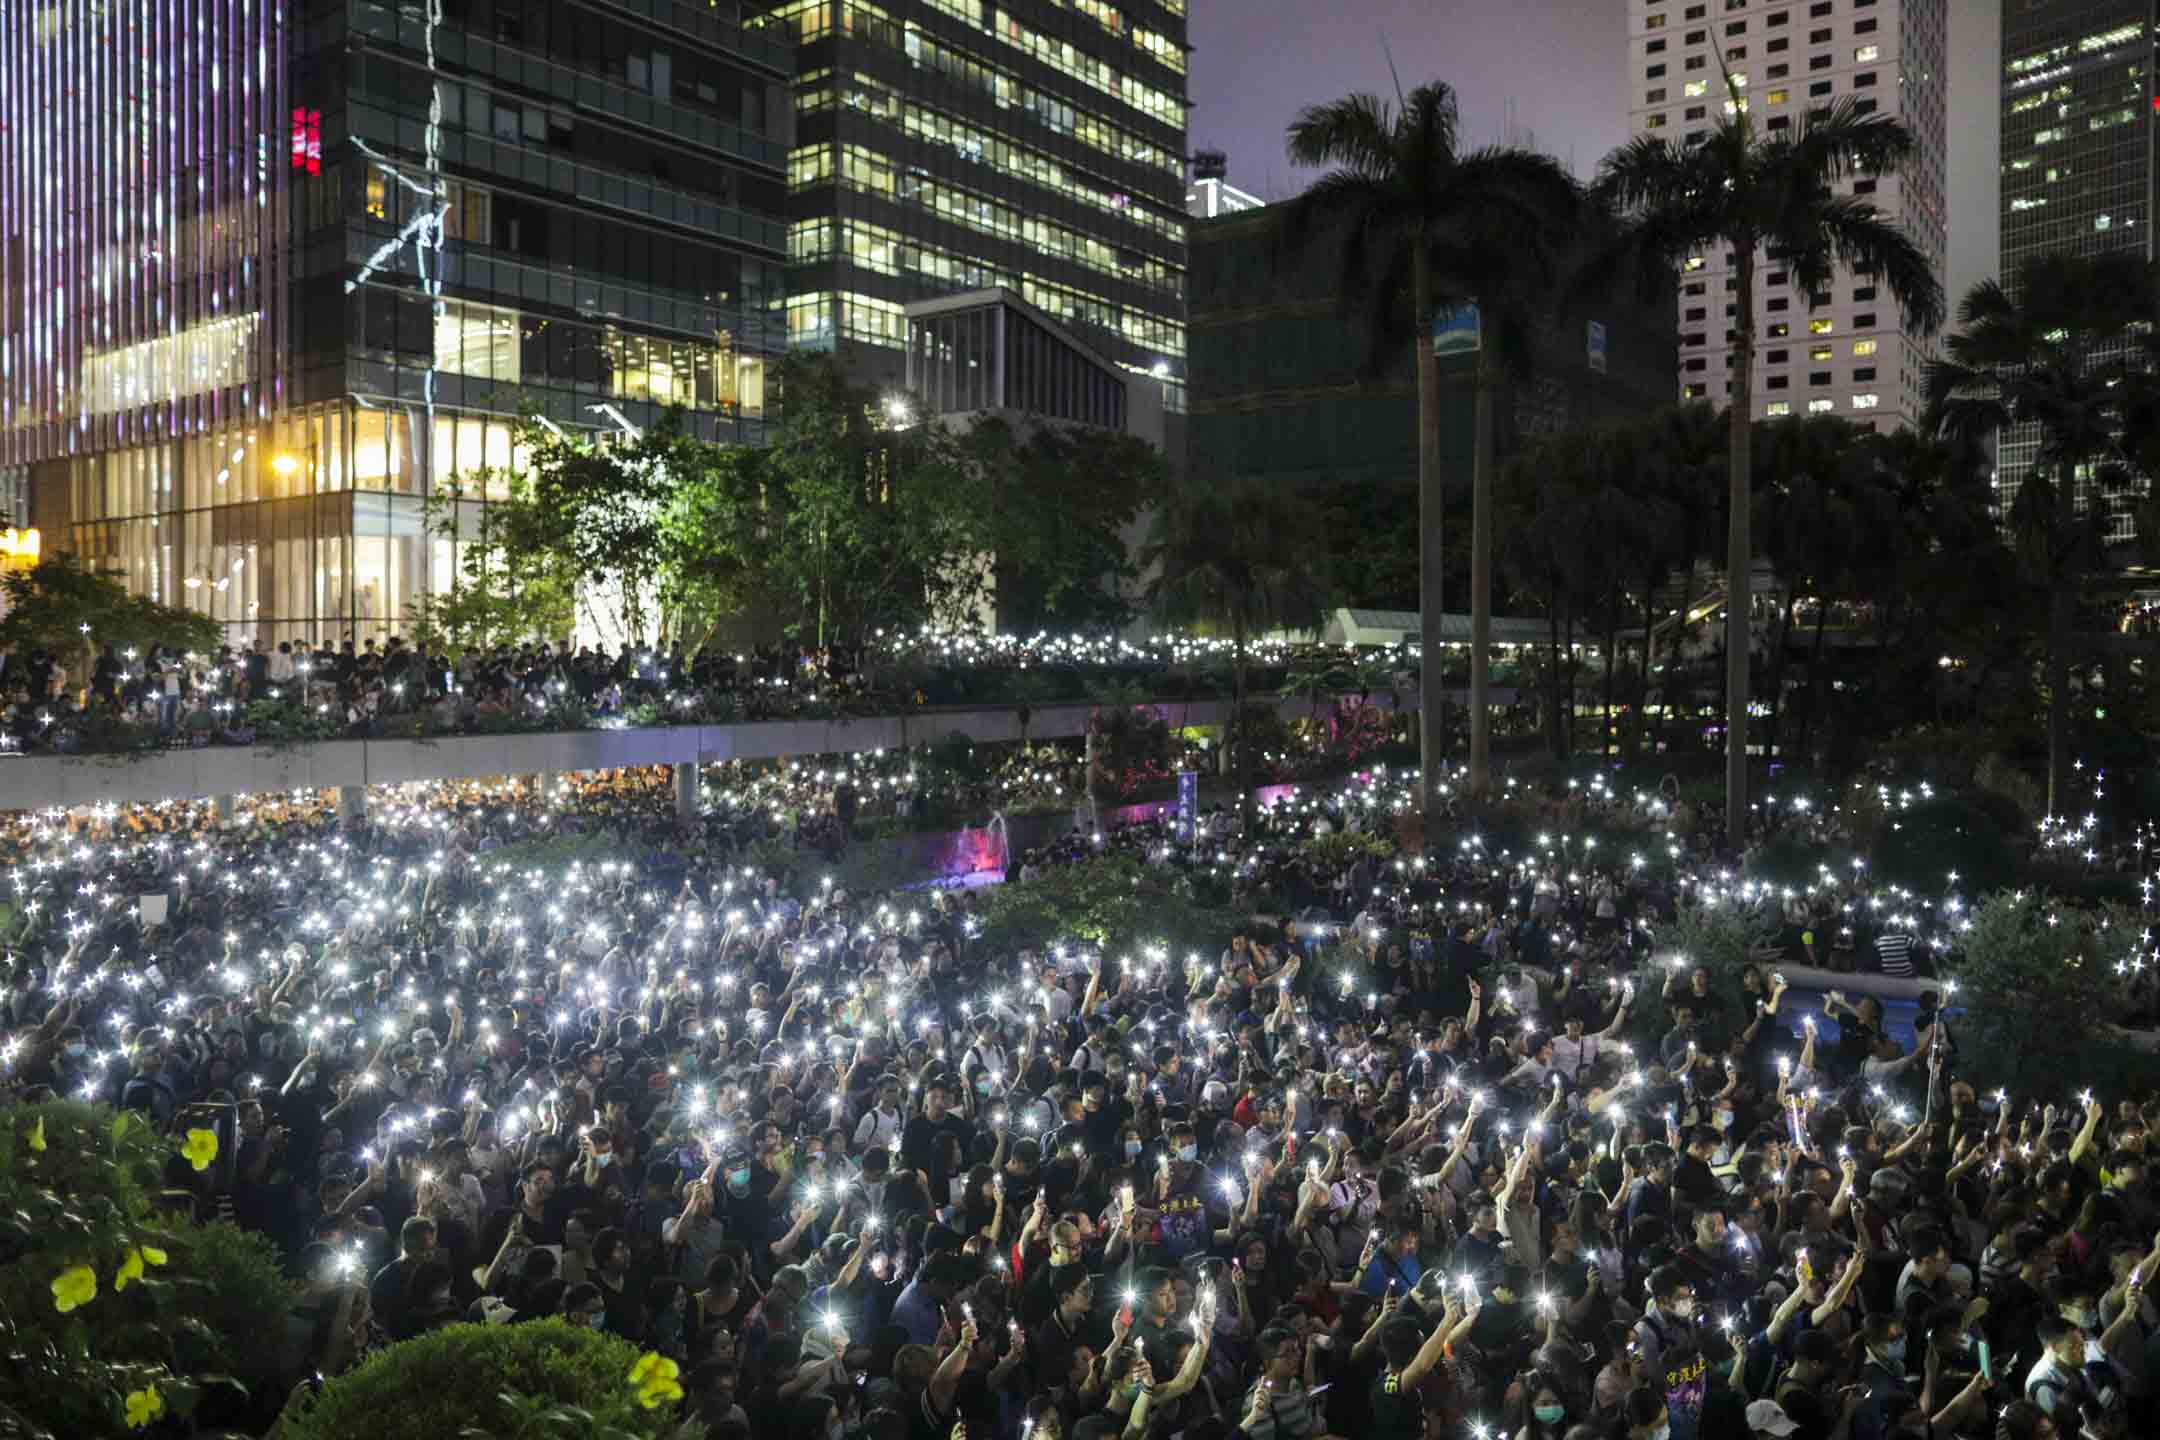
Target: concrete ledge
column 36, row 782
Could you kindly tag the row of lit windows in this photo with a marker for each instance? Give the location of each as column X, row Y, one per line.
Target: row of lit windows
column 1823, row 405
column 1159, row 47
column 1060, row 55
column 491, row 343
column 812, row 321
column 881, row 102
column 819, row 317
column 814, row 19
column 887, row 252
column 2084, row 45
column 864, row 170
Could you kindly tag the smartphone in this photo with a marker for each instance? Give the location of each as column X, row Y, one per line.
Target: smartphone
column 1987, row 1361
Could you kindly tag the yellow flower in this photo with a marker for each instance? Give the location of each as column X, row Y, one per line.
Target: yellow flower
column 76, row 1285
column 132, row 1267
column 654, row 1375
column 143, row 1406
column 37, row 1134
column 201, row 1148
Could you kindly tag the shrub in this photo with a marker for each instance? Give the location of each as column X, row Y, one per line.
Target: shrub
column 1718, row 938
column 487, row 1379
column 155, row 1306
column 1115, row 902
column 1341, row 847
column 1918, row 845
column 2038, row 981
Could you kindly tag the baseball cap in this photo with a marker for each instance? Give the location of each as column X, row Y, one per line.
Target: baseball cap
column 1767, row 1417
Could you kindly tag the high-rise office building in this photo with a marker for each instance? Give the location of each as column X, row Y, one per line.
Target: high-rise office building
column 944, row 146
column 1843, row 352
column 2078, row 115
column 272, row 275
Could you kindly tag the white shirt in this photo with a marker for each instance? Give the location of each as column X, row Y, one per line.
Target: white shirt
column 878, row 1127
column 1572, row 1057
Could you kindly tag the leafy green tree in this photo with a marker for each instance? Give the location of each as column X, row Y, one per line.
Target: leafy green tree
column 874, row 523
column 69, row 608
column 1422, row 227
column 1679, row 455
column 1234, row 557
column 1059, row 503
column 2047, row 351
column 1820, row 483
column 1764, row 198
column 2037, row 975
column 489, row 599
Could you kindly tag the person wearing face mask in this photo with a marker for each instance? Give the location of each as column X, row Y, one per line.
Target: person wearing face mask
column 1548, row 1410
column 1882, row 1376
column 1183, row 1225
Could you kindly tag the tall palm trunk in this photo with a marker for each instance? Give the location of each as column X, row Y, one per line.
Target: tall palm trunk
column 1481, row 548
column 1432, row 680
column 1739, row 550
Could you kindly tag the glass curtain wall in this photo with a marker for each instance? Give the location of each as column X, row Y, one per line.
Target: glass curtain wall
column 314, row 527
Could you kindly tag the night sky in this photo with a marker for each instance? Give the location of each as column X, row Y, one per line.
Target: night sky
column 1255, row 63
column 1562, row 63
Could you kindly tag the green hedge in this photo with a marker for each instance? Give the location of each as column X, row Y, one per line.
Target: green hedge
column 461, row 1380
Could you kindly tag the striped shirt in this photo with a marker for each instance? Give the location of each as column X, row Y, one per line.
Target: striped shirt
column 1895, row 949
column 1288, row 1416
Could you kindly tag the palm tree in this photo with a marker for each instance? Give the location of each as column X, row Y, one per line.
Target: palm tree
column 1768, row 198
column 1237, row 557
column 2048, row 351
column 1423, row 227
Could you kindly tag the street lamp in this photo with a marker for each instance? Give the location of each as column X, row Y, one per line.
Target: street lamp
column 897, row 409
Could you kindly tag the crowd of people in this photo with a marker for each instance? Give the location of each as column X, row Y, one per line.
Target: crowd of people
column 1396, row 1162
column 68, row 699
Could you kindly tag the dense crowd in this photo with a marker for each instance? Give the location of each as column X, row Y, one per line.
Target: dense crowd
column 1386, row 1164
column 63, row 700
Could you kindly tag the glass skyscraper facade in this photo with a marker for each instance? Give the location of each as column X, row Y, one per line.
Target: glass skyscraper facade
column 271, row 275
column 2079, row 110
column 954, row 145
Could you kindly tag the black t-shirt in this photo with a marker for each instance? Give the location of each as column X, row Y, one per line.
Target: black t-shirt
column 920, row 1150
column 1397, row 1412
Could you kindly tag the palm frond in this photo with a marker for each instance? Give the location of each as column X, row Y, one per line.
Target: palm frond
column 1357, row 133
